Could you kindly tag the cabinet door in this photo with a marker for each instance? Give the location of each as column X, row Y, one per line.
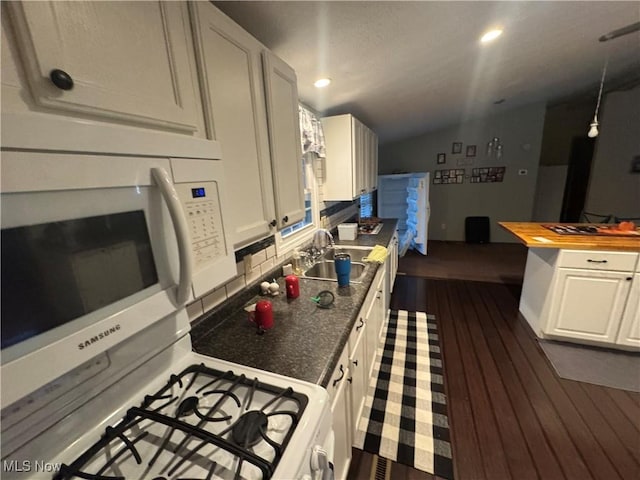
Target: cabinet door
column 359, row 381
column 588, row 304
column 629, row 333
column 341, row 417
column 231, row 78
column 127, row 60
column 284, row 139
column 374, row 161
column 392, row 266
column 372, row 321
column 358, row 157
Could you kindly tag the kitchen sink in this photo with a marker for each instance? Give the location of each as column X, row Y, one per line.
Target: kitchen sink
column 325, row 270
column 356, row 254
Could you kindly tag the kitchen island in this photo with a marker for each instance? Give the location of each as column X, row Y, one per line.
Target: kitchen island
column 581, row 288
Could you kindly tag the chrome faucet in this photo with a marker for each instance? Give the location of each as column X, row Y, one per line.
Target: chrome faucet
column 322, row 240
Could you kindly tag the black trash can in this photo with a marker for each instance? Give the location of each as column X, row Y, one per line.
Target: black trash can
column 476, row 229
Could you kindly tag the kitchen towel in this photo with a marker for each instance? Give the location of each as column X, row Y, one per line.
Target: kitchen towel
column 378, row 254
column 405, row 414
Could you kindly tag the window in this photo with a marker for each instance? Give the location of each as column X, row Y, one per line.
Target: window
column 298, row 233
column 308, row 200
column 312, row 139
column 366, row 205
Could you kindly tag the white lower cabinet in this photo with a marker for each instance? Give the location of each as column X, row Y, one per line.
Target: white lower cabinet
column 358, row 376
column 350, row 380
column 339, row 392
column 588, row 304
column 629, row 333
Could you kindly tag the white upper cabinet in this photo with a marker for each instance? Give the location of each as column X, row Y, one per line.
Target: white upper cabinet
column 251, row 107
column 125, row 61
column 235, row 113
column 352, row 153
column 281, row 91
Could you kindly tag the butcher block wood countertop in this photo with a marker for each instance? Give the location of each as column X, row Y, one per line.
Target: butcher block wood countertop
column 535, row 235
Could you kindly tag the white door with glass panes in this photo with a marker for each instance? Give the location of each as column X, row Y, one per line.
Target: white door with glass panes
column 116, row 60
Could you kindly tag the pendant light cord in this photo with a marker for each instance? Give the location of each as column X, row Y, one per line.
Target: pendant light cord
column 604, row 72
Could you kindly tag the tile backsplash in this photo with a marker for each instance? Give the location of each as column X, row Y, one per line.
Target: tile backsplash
column 256, row 263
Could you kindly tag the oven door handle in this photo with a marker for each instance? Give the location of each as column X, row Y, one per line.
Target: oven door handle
column 181, row 228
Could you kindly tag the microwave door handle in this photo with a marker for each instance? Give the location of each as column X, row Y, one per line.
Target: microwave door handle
column 179, row 221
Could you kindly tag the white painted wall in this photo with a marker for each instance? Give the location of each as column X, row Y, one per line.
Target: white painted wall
column 520, row 131
column 612, row 188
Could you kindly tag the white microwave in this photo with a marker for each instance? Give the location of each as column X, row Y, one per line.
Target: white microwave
column 97, row 247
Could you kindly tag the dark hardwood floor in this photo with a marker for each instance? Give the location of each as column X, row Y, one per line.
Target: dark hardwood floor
column 511, row 416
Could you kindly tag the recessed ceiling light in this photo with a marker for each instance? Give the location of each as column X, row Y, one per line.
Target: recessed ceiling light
column 323, row 82
column 491, row 35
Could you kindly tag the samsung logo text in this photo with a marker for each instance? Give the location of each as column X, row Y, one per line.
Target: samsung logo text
column 100, row 336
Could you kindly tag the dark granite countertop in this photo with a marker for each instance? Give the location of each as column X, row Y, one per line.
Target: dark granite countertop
column 305, row 341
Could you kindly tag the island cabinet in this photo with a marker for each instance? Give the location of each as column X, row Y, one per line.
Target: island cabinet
column 629, row 333
column 251, row 107
column 124, row 62
column 352, row 158
column 585, row 296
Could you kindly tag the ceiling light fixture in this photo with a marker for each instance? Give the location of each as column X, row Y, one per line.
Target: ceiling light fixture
column 634, row 27
column 491, row 35
column 321, row 83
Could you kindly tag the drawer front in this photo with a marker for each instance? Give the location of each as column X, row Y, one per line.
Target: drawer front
column 598, row 260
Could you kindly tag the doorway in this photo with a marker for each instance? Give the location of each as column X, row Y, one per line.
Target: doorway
column 577, row 183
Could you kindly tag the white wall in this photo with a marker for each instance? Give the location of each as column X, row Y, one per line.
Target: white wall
column 612, row 188
column 520, row 131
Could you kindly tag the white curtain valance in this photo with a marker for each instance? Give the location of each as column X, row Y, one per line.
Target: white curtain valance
column 311, row 133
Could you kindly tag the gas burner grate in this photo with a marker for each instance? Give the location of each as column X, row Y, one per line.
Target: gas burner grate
column 218, row 410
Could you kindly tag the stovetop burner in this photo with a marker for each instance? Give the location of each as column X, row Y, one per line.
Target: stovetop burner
column 250, row 428
column 202, row 423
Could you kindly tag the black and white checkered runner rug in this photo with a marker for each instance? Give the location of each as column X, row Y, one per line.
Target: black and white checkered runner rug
column 405, row 414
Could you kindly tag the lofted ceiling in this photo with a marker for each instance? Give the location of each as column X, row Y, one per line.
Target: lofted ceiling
column 406, row 68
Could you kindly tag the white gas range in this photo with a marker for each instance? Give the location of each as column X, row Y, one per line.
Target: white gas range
column 100, row 253
column 176, row 415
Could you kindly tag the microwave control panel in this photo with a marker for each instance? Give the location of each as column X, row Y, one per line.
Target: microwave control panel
column 201, row 205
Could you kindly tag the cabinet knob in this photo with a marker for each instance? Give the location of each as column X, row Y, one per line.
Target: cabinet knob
column 285, row 219
column 355, row 362
column 273, row 222
column 61, row 79
column 596, row 261
column 629, row 279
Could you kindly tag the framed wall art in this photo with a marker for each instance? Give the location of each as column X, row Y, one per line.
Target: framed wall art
column 442, row 158
column 471, row 150
column 456, row 147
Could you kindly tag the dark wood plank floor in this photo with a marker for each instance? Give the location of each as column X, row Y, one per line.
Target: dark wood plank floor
column 511, row 416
